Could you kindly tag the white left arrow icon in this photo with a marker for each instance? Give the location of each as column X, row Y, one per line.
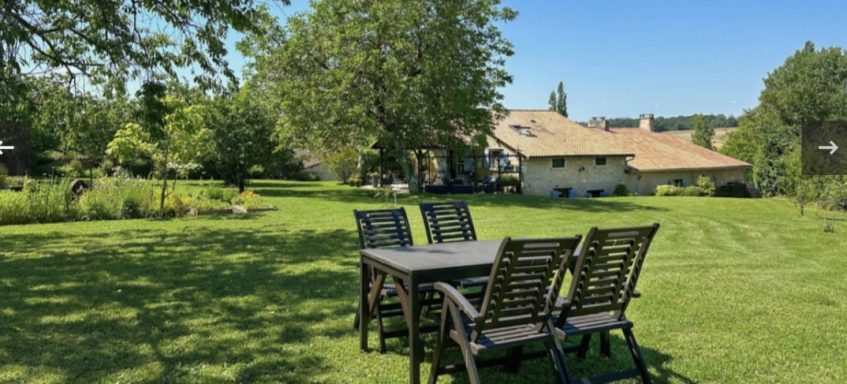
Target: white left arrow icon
column 832, row 147
column 2, row 147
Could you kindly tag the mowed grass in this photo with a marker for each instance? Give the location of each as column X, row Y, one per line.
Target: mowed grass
column 734, row 291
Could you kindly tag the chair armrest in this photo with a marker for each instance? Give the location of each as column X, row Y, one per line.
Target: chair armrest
column 459, row 299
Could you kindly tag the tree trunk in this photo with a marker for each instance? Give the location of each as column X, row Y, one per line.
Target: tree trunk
column 164, row 176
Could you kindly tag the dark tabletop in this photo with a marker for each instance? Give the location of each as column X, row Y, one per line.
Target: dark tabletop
column 435, row 257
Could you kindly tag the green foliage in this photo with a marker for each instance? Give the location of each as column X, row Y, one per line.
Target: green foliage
column 242, row 132
column 112, row 42
column 404, row 73
column 343, row 163
column 703, row 134
column 808, row 88
column 706, row 185
column 112, row 199
column 693, row 190
column 559, row 100
column 620, row 190
column 668, row 190
column 43, row 202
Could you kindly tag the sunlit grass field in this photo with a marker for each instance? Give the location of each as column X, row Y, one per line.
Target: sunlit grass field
column 734, row 291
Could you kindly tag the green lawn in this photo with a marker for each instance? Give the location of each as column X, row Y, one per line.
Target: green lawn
column 744, row 291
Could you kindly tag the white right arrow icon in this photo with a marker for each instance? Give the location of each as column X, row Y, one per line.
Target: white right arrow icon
column 2, row 147
column 832, row 147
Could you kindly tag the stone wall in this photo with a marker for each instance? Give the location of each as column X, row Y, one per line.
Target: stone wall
column 579, row 173
column 645, row 183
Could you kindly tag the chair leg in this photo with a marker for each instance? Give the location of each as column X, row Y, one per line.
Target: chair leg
column 636, row 355
column 443, row 336
column 584, row 343
column 560, row 360
column 356, row 319
column 561, row 378
column 470, row 363
column 605, row 345
column 380, row 327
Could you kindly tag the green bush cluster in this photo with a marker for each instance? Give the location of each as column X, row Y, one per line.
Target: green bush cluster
column 620, row 190
column 704, row 187
column 115, row 198
column 111, row 199
column 37, row 203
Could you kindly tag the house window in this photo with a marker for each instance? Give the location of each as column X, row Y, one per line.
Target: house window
column 494, row 158
column 677, row 182
column 600, row 161
column 559, row 162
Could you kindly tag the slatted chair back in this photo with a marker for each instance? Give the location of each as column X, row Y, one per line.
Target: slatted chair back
column 447, row 222
column 383, row 228
column 521, row 285
column 607, row 270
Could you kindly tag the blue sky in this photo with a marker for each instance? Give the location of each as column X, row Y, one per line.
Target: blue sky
column 623, row 58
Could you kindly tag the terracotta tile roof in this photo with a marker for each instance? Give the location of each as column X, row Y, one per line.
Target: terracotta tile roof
column 657, row 152
column 549, row 134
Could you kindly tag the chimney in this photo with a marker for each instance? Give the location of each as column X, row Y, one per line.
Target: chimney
column 599, row 123
column 646, row 122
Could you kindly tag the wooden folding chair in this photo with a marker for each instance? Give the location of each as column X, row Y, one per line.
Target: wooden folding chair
column 448, row 222
column 377, row 229
column 522, row 288
column 603, row 283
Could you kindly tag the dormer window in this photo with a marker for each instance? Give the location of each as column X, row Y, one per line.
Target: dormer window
column 523, row 130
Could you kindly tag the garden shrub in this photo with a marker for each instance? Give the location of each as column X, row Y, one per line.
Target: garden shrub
column 693, row 190
column 213, row 193
column 706, row 185
column 620, row 190
column 668, row 190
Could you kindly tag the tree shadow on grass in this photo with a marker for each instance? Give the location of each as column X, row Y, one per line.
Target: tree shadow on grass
column 197, row 305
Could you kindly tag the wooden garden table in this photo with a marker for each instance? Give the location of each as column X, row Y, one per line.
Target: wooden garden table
column 419, row 265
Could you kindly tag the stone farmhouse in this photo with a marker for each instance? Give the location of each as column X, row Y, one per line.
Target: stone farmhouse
column 557, row 155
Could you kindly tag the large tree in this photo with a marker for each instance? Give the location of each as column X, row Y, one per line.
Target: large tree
column 808, row 88
column 116, row 40
column 406, row 73
column 243, row 135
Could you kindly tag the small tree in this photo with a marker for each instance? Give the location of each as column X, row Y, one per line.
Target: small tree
column 343, row 163
column 703, row 133
column 559, row 100
column 169, row 131
column 562, row 100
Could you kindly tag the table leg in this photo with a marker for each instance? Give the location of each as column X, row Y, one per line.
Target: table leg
column 364, row 304
column 415, row 342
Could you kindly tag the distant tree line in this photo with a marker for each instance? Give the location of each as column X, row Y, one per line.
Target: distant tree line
column 677, row 123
